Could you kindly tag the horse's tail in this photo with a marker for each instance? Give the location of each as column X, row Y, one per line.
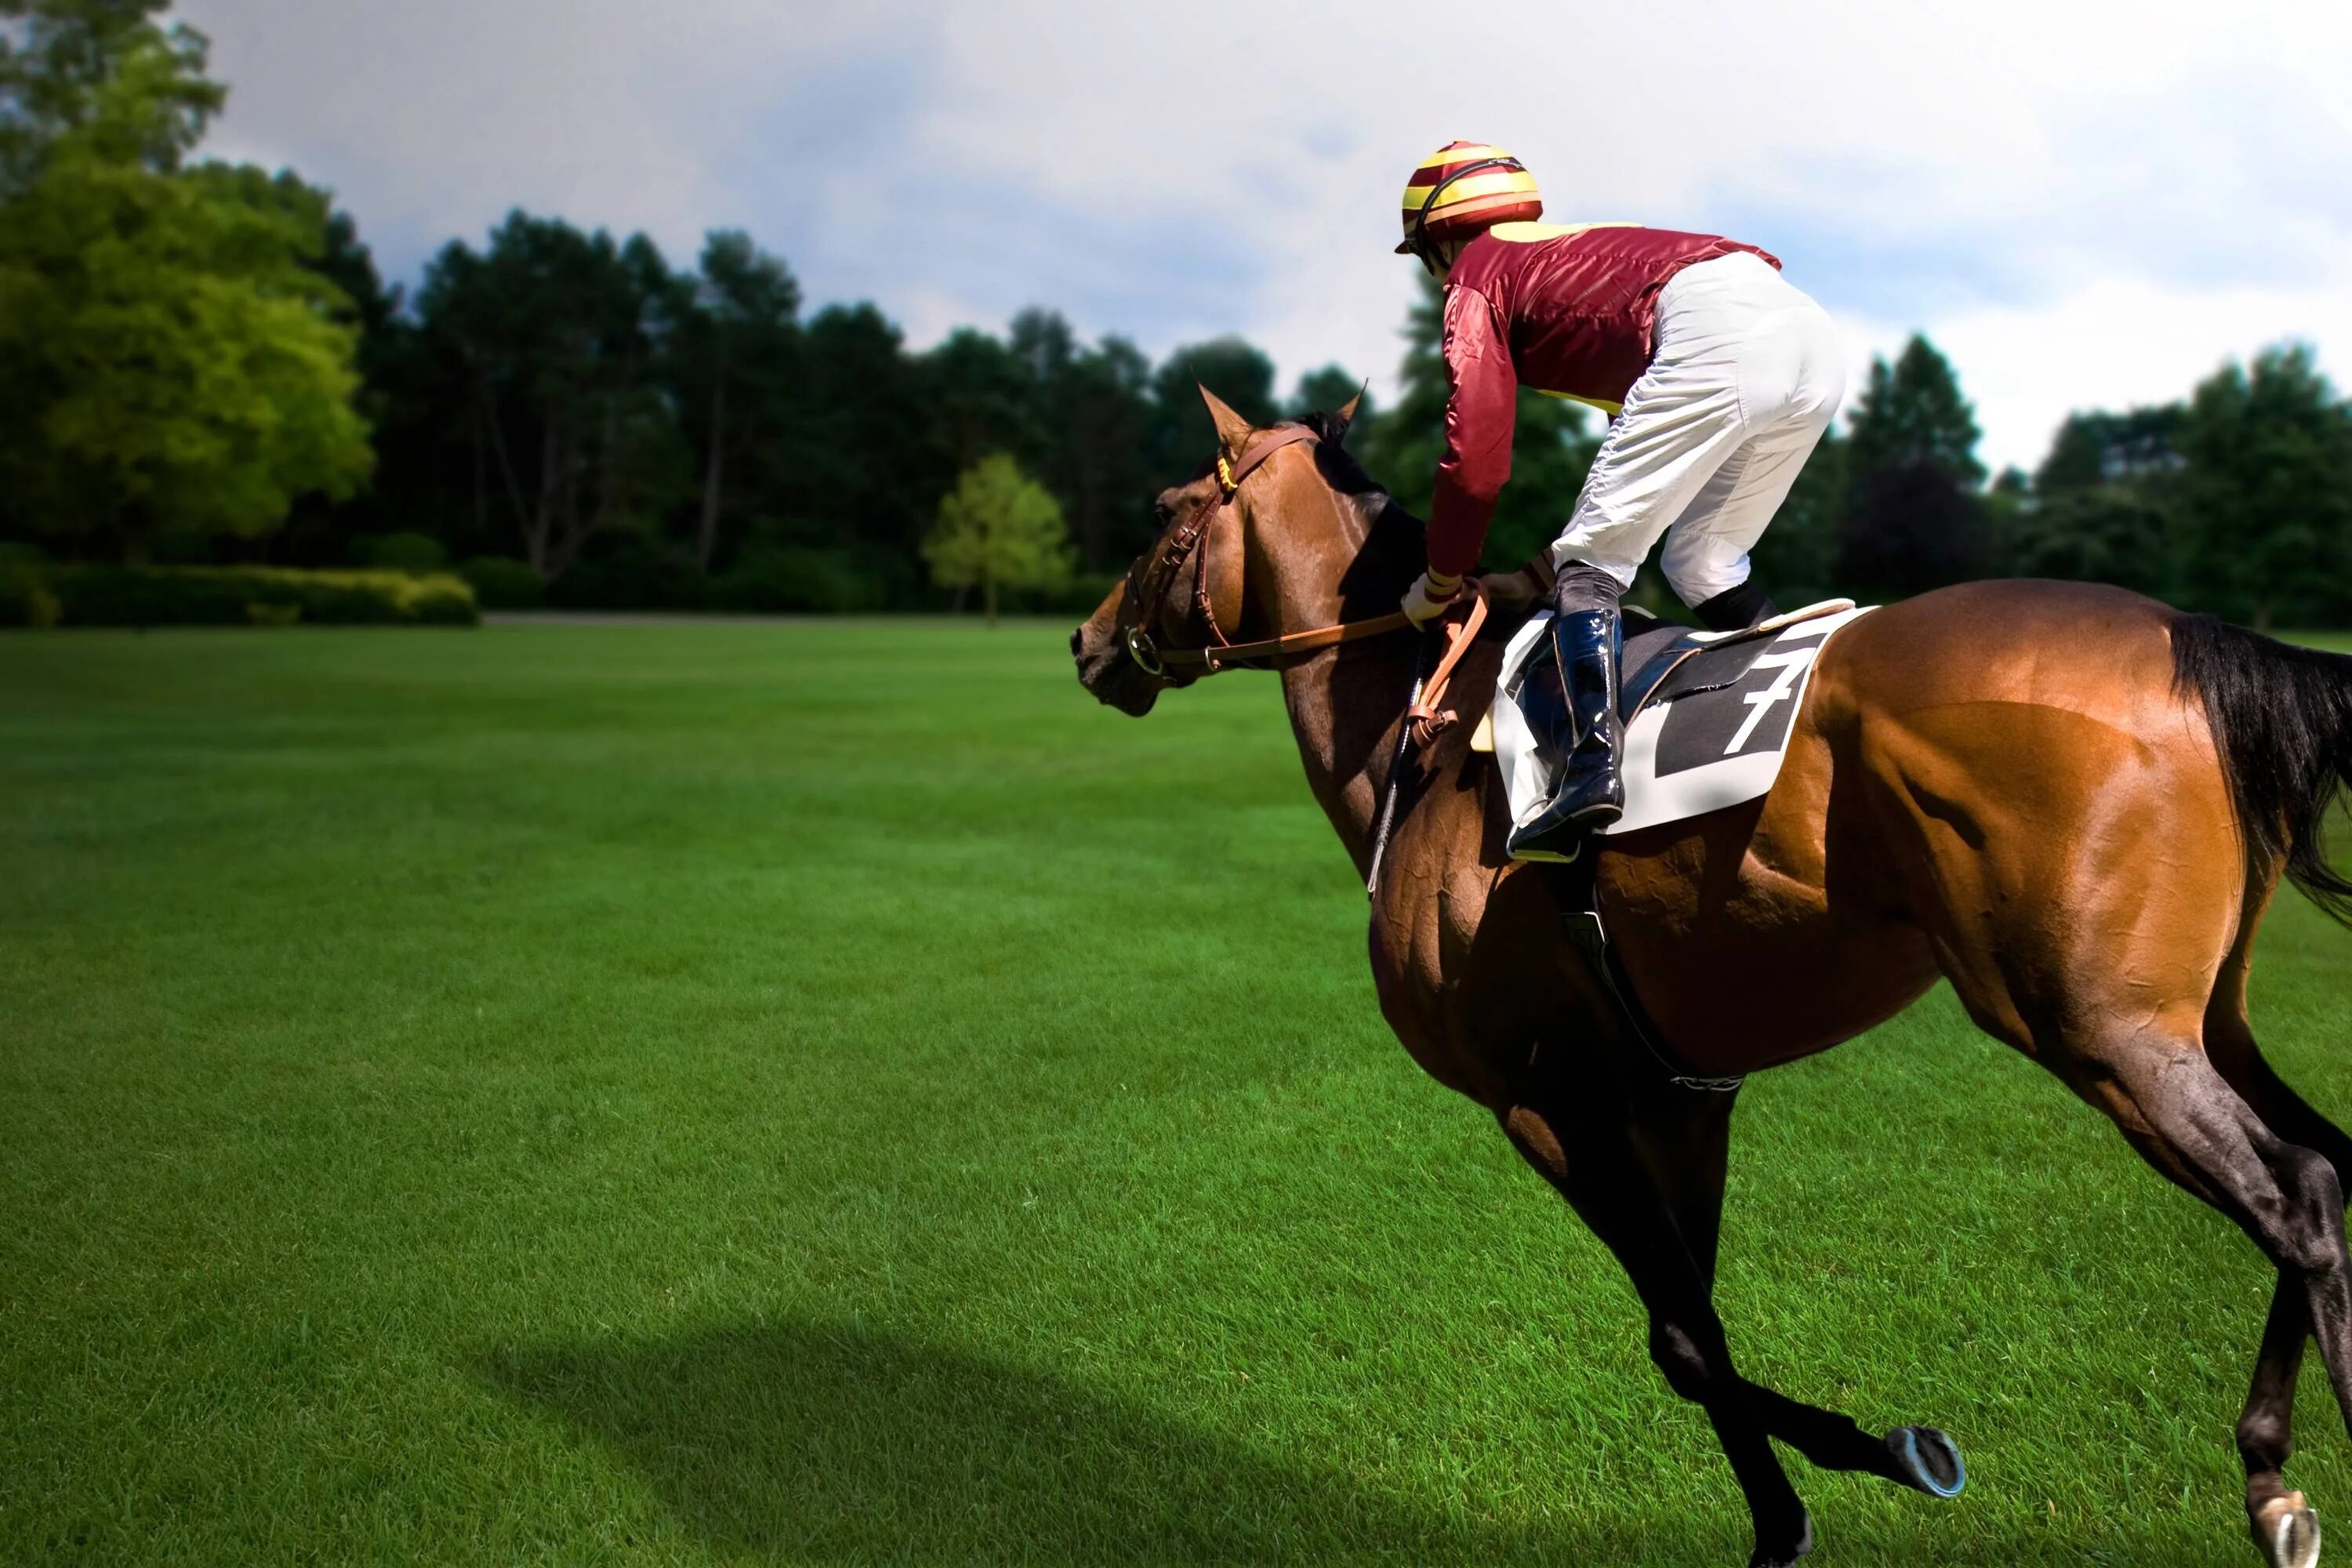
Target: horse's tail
column 2282, row 720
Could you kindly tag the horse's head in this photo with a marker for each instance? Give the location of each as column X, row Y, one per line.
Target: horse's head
column 1222, row 534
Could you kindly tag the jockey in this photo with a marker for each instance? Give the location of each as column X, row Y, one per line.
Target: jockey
column 1718, row 377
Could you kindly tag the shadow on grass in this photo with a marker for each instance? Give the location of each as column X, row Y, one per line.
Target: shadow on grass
column 836, row 1443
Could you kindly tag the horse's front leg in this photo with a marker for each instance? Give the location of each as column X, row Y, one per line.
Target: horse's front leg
column 1612, row 1188
column 1683, row 1137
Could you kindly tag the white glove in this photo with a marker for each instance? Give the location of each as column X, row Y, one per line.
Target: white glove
column 1430, row 594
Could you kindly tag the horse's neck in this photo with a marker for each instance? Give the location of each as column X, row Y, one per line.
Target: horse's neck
column 1346, row 778
column 1346, row 706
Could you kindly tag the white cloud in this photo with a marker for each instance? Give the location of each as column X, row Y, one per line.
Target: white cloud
column 2110, row 345
column 2083, row 204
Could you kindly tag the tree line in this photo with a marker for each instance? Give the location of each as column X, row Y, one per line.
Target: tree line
column 202, row 363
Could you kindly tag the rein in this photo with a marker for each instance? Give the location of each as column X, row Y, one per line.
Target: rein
column 1425, row 719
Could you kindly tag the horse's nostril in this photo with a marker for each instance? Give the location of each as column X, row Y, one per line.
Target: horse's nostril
column 1077, row 637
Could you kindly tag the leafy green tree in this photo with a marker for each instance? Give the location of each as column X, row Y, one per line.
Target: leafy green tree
column 68, row 67
column 998, row 529
column 1914, row 519
column 2104, row 506
column 171, row 359
column 2267, row 485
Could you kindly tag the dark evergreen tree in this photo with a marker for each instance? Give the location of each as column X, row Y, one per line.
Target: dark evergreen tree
column 1796, row 559
column 1329, row 388
column 2104, row 506
column 1178, row 437
column 557, row 332
column 1914, row 519
column 1089, row 409
column 2267, row 487
column 734, row 354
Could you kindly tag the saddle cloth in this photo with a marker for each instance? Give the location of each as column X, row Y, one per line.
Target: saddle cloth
column 1707, row 714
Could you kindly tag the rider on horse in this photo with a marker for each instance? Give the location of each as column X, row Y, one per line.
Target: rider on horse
column 1718, row 377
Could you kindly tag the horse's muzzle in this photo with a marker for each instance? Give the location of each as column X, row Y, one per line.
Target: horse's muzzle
column 1108, row 668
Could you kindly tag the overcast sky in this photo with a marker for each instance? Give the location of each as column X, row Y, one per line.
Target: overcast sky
column 2083, row 204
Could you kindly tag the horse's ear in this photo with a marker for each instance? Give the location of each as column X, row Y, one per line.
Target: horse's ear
column 1233, row 430
column 1346, row 414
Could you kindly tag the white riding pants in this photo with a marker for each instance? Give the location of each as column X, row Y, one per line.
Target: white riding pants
column 1747, row 375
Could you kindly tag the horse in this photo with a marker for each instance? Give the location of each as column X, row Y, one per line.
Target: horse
column 2071, row 802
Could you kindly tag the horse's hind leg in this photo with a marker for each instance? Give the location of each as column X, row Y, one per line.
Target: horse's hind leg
column 2079, row 877
column 2283, row 1523
column 2188, row 1121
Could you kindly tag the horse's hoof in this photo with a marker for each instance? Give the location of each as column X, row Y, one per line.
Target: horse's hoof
column 1928, row 1460
column 1771, row 1557
column 2287, row 1530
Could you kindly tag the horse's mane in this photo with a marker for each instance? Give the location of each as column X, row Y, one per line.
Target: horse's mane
column 1394, row 546
column 1394, row 540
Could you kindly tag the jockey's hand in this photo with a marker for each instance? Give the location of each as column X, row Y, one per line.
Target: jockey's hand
column 1431, row 593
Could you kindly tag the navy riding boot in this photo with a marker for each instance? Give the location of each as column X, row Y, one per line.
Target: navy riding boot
column 1570, row 701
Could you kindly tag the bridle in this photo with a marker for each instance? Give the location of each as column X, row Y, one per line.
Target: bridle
column 1151, row 584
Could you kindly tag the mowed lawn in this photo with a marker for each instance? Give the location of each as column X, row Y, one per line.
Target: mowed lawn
column 830, row 1093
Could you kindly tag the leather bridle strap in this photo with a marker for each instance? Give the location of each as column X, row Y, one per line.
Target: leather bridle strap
column 1426, row 719
column 1231, row 475
column 1215, row 658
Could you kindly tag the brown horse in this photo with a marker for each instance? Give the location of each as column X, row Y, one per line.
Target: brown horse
column 2071, row 802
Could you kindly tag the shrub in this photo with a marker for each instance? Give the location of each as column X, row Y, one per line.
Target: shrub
column 25, row 597
column 783, row 579
column 407, row 551
column 1078, row 596
column 502, row 583
column 97, row 595
column 631, row 573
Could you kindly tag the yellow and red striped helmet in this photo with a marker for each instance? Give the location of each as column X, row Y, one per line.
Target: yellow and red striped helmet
column 1462, row 188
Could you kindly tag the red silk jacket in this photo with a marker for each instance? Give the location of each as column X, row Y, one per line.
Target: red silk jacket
column 1564, row 311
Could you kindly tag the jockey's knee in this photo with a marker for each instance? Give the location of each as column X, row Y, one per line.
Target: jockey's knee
column 1697, row 575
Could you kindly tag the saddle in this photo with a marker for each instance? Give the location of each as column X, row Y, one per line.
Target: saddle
column 1708, row 716
column 1664, row 661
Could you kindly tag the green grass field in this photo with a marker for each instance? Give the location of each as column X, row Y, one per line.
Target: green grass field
column 831, row 1094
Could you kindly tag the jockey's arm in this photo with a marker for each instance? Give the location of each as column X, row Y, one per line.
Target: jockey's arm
column 1480, row 416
